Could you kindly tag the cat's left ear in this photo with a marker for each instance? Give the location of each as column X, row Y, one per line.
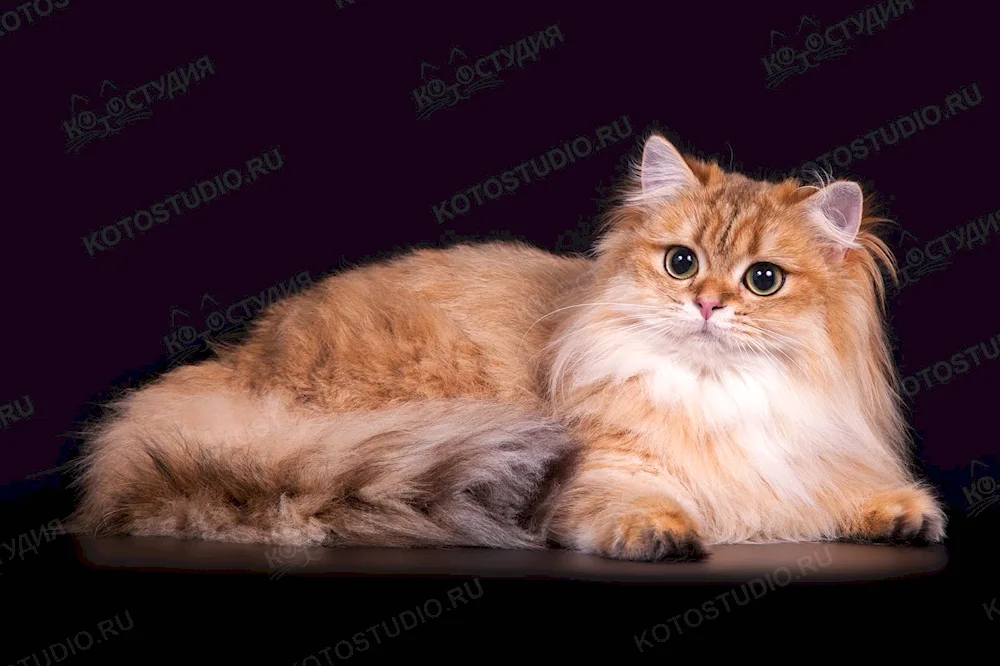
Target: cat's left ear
column 837, row 210
column 664, row 173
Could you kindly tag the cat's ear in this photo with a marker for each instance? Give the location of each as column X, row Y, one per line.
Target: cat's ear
column 837, row 209
column 663, row 172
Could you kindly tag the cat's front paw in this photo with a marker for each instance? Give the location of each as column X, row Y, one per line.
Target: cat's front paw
column 653, row 532
column 908, row 515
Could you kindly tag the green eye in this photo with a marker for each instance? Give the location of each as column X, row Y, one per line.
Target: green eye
column 764, row 279
column 681, row 262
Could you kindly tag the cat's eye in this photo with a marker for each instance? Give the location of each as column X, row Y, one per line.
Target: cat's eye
column 764, row 279
column 681, row 262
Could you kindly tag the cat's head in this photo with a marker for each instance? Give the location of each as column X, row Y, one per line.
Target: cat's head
column 716, row 267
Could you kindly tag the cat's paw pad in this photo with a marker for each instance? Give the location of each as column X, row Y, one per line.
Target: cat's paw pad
column 902, row 516
column 653, row 536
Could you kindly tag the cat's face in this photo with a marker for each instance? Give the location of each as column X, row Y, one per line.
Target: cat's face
column 718, row 265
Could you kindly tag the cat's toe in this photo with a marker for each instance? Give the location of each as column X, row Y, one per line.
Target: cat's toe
column 655, row 537
column 900, row 517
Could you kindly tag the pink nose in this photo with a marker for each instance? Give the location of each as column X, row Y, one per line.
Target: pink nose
column 707, row 306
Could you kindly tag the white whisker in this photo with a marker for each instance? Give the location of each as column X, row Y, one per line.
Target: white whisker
column 580, row 305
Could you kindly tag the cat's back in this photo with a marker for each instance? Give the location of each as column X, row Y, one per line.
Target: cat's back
column 459, row 321
column 486, row 275
column 496, row 292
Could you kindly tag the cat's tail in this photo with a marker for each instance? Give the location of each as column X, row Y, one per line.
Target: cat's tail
column 185, row 457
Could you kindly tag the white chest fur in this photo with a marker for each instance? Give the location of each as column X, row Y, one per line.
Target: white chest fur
column 750, row 447
column 760, row 426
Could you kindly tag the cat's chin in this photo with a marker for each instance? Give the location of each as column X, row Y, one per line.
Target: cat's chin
column 708, row 345
column 706, row 338
column 712, row 345
column 701, row 342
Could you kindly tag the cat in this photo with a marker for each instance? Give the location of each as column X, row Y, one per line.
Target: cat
column 716, row 371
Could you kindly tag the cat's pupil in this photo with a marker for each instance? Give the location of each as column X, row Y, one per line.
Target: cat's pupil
column 764, row 278
column 682, row 262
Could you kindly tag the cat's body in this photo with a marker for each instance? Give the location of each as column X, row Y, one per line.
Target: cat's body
column 499, row 395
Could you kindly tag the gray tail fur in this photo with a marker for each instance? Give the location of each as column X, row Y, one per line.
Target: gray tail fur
column 435, row 473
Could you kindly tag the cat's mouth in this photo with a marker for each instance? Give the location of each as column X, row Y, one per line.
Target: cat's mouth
column 707, row 330
column 706, row 335
column 709, row 333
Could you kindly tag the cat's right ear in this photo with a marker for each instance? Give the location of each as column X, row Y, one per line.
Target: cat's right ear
column 663, row 173
column 837, row 210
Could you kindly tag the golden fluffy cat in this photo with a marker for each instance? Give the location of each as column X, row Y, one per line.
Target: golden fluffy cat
column 716, row 373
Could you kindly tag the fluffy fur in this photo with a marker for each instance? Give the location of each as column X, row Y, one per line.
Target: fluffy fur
column 497, row 395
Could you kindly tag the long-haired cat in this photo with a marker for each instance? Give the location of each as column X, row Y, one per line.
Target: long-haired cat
column 716, row 373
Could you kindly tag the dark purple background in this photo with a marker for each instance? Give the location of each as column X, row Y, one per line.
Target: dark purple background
column 332, row 89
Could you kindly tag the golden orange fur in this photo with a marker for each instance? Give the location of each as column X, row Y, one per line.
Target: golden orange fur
column 500, row 395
